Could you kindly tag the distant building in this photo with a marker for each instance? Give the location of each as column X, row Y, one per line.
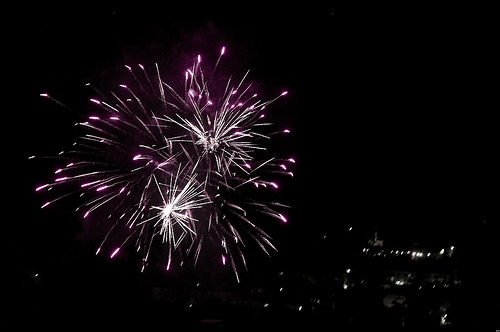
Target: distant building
column 376, row 242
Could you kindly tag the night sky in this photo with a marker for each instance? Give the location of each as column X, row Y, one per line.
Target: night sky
column 391, row 109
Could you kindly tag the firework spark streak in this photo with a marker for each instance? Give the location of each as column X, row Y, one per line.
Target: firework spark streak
column 175, row 170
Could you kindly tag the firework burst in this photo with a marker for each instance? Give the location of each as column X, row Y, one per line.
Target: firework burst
column 175, row 169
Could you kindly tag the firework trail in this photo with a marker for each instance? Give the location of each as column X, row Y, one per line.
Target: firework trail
column 175, row 169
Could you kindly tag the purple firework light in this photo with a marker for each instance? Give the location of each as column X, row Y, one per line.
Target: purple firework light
column 175, row 170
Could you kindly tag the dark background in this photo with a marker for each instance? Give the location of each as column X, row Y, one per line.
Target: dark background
column 391, row 106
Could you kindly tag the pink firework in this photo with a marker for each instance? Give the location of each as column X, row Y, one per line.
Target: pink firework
column 175, row 168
